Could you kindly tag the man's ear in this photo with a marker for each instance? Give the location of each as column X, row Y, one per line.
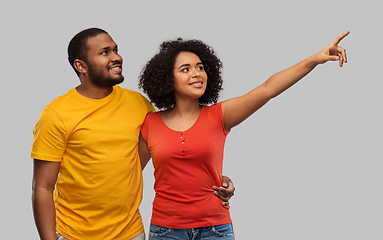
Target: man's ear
column 81, row 66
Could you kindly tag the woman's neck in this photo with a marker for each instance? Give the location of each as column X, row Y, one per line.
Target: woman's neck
column 182, row 116
column 186, row 108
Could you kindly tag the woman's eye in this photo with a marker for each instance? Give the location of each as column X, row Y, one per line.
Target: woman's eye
column 185, row 70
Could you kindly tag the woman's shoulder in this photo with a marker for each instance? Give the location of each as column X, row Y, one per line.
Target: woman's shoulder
column 214, row 107
column 153, row 114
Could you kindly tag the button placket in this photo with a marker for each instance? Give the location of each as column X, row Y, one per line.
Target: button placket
column 183, row 148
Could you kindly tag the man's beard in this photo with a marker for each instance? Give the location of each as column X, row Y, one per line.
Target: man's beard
column 97, row 78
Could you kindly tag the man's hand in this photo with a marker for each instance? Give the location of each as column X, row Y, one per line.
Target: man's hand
column 226, row 191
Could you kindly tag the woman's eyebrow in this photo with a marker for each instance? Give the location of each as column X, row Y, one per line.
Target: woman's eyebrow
column 184, row 65
column 188, row 65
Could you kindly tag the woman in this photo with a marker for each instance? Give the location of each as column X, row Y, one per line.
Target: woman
column 186, row 139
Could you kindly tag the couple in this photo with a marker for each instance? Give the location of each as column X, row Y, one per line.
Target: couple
column 87, row 181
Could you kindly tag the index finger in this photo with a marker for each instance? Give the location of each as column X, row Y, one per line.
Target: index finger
column 340, row 37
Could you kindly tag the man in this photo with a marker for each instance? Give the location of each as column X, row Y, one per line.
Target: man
column 87, row 178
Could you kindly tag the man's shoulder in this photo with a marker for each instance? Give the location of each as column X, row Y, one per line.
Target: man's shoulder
column 60, row 100
column 134, row 95
column 128, row 92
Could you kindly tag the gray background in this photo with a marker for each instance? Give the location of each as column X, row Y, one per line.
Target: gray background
column 306, row 166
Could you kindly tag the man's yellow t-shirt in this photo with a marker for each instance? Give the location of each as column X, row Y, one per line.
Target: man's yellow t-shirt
column 99, row 186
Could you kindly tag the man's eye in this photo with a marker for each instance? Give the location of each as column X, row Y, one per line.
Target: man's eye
column 104, row 53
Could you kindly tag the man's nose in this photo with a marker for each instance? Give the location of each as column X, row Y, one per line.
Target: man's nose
column 116, row 57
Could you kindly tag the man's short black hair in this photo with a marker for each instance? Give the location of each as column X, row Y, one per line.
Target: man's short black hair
column 77, row 48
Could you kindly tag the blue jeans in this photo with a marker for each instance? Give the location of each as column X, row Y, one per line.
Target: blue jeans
column 221, row 232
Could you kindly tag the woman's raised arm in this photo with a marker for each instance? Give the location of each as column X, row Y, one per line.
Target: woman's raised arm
column 236, row 110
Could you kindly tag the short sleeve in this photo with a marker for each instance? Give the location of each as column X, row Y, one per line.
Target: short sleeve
column 216, row 110
column 49, row 137
column 148, row 105
column 144, row 128
column 151, row 109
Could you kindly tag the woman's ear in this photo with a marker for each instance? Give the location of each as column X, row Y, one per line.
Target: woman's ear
column 81, row 66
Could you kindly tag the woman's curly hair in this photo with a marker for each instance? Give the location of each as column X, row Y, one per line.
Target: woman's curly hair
column 157, row 78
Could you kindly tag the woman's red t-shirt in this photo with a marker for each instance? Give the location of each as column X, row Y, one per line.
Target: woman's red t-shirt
column 187, row 164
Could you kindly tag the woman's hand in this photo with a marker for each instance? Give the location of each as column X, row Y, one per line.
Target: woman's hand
column 333, row 52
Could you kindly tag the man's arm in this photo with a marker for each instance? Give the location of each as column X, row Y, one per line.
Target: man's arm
column 226, row 191
column 43, row 183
